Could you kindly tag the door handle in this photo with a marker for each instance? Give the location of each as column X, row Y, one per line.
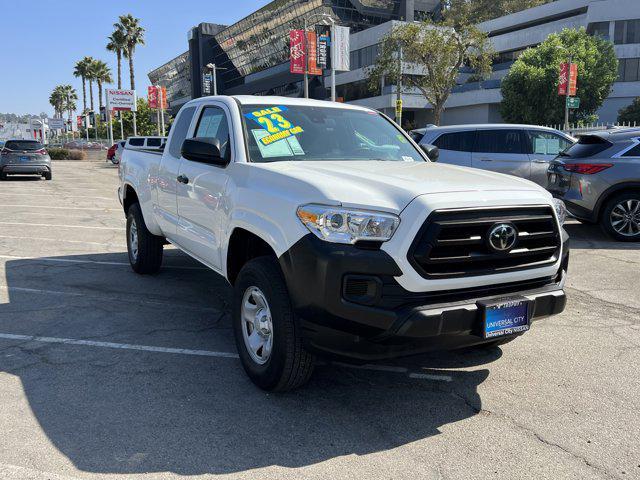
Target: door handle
column 485, row 159
column 183, row 179
column 540, row 161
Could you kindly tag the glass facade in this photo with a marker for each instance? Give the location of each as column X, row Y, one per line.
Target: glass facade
column 261, row 40
column 627, row 31
column 629, row 70
column 175, row 75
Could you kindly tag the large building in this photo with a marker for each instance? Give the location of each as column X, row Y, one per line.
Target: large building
column 252, row 54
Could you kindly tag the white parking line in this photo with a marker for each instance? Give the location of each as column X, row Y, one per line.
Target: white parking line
column 89, row 227
column 84, row 197
column 96, row 262
column 122, row 346
column 204, row 353
column 45, row 207
column 57, row 240
column 109, row 298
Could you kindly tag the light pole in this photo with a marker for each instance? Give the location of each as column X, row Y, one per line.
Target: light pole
column 214, row 80
column 328, row 17
column 566, row 102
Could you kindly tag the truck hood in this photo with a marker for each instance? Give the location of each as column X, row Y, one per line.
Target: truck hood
column 393, row 185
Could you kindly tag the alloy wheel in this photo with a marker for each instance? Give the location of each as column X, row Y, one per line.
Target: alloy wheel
column 625, row 217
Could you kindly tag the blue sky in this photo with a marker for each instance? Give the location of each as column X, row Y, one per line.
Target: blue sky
column 41, row 40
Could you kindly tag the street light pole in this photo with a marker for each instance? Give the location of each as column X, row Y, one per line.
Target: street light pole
column 306, row 54
column 214, row 69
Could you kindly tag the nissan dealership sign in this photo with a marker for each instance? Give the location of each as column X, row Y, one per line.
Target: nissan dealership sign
column 121, row 100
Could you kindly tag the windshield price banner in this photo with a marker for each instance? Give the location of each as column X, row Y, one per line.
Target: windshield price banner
column 276, row 125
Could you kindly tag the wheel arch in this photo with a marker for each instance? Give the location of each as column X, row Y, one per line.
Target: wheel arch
column 611, row 192
column 244, row 245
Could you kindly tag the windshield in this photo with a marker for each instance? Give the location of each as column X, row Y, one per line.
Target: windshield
column 279, row 133
column 23, row 145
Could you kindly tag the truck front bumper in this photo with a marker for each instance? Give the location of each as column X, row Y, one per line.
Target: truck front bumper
column 349, row 305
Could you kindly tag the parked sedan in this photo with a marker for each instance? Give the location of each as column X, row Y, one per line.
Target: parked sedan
column 521, row 150
column 24, row 157
column 599, row 180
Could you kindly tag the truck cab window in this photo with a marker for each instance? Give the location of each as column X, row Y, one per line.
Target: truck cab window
column 180, row 129
column 213, row 124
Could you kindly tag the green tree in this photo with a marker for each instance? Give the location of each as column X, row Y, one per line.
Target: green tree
column 431, row 56
column 145, row 121
column 530, row 89
column 630, row 114
column 462, row 12
column 133, row 33
column 118, row 45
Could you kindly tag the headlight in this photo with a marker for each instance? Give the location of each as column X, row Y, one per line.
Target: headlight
column 561, row 210
column 346, row 225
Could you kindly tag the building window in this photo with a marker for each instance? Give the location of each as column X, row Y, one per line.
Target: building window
column 364, row 57
column 629, row 70
column 627, row 31
column 600, row 29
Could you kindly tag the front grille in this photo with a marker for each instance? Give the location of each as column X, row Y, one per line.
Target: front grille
column 454, row 243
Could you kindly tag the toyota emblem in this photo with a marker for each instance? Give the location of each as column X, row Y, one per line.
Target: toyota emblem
column 502, row 237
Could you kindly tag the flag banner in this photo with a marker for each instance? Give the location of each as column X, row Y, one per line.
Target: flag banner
column 296, row 46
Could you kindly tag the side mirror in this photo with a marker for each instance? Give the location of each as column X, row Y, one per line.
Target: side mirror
column 203, row 150
column 432, row 151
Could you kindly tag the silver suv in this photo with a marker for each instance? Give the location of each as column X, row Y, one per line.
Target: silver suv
column 599, row 180
column 24, row 157
column 521, row 150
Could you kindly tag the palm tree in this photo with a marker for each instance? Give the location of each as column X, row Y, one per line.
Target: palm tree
column 56, row 99
column 82, row 70
column 130, row 27
column 101, row 73
column 70, row 97
column 118, row 45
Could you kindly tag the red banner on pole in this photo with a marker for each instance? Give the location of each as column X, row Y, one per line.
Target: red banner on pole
column 79, row 121
column 296, row 52
column 563, row 83
column 152, row 96
column 163, row 98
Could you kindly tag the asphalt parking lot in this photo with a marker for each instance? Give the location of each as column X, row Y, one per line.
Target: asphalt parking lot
column 106, row 374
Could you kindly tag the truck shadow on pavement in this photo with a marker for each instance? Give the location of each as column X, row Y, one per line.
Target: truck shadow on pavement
column 120, row 411
column 585, row 237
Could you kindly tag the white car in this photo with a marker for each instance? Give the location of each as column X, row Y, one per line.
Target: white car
column 340, row 236
column 525, row 151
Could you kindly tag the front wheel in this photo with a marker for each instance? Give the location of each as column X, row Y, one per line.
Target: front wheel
column 47, row 175
column 621, row 217
column 267, row 336
column 144, row 248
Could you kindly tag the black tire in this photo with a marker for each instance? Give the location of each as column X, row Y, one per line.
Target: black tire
column 48, row 175
column 606, row 221
column 289, row 365
column 3, row 176
column 148, row 257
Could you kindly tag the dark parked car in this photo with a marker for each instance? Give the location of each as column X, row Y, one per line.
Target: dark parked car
column 599, row 180
column 24, row 157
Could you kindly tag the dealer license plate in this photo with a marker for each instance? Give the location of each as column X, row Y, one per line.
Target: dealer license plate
column 505, row 317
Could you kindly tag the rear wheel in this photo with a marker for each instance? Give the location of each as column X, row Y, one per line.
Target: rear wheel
column 267, row 336
column 3, row 176
column 621, row 217
column 47, row 175
column 144, row 248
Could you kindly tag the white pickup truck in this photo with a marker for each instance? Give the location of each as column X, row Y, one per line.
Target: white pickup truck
column 340, row 235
